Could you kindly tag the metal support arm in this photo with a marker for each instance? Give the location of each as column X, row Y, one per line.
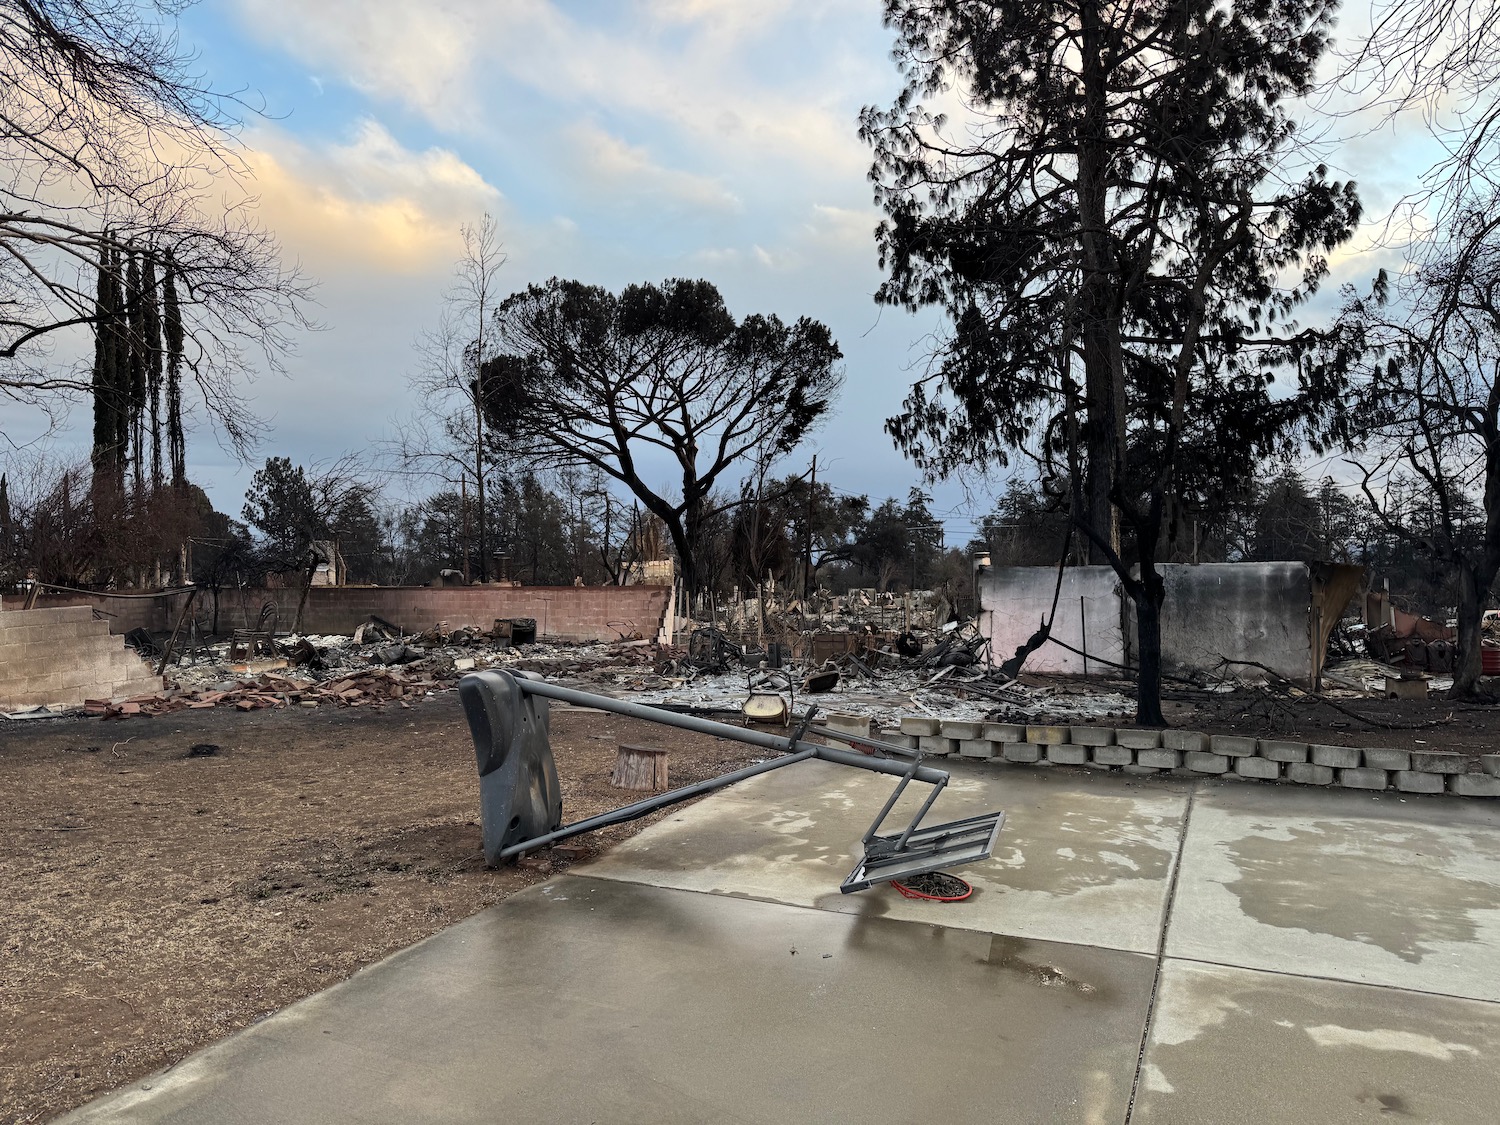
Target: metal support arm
column 521, row 800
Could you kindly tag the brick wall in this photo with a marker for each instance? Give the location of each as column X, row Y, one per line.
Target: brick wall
column 569, row 613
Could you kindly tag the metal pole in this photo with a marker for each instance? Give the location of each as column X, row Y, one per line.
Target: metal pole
column 724, row 730
column 651, row 804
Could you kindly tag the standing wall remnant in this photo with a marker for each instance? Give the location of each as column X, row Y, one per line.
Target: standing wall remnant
column 1274, row 614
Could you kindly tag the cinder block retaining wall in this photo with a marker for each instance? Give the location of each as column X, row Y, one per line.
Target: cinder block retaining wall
column 65, row 656
column 567, row 613
column 1138, row 751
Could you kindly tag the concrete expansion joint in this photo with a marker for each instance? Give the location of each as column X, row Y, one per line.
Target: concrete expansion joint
column 1183, row 753
column 1161, row 952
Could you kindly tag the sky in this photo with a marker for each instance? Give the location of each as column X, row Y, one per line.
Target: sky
column 613, row 141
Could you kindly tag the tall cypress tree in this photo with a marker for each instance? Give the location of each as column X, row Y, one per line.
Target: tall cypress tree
column 111, row 378
column 4, row 517
column 104, row 424
column 172, row 332
column 152, row 326
column 135, row 315
column 120, row 379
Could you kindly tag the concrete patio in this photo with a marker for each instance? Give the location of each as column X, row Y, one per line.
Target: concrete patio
column 1135, row 951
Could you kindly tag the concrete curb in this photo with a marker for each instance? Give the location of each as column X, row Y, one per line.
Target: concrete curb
column 1141, row 752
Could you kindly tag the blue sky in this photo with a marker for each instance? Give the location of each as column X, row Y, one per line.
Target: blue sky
column 613, row 142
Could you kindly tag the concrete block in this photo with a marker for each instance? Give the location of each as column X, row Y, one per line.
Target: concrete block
column 1142, row 771
column 1410, row 781
column 1137, row 738
column 1097, row 766
column 1021, row 752
column 976, row 748
column 1049, row 736
column 1304, row 773
column 1184, row 740
column 958, row 728
column 1159, row 759
column 937, row 746
column 1381, row 758
column 1062, row 754
column 1092, row 736
column 1005, row 732
column 1368, row 778
column 1474, row 785
column 1438, row 761
column 1283, row 751
column 1113, row 755
column 1491, row 764
column 920, row 725
column 1200, row 761
column 1233, row 745
column 1339, row 757
column 860, row 726
column 1262, row 768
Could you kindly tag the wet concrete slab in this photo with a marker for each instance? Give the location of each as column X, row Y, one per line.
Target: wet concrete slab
column 1390, row 890
column 1082, row 858
column 604, row 1000
column 1240, row 1047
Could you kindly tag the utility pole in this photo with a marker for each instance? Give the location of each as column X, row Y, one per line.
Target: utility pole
column 812, row 489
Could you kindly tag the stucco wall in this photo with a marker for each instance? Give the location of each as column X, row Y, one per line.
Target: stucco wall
column 1014, row 599
column 1244, row 611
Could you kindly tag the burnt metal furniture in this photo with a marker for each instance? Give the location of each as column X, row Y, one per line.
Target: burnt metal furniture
column 245, row 644
column 521, row 802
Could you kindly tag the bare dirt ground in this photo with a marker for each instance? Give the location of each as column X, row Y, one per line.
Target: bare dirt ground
column 155, row 902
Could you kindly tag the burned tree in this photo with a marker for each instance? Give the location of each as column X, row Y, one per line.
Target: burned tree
column 1108, row 223
column 653, row 376
column 1430, row 410
column 448, row 434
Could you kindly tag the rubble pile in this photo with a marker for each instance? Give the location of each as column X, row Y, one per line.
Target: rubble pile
column 933, row 671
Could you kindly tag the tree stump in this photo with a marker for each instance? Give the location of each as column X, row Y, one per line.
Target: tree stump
column 640, row 767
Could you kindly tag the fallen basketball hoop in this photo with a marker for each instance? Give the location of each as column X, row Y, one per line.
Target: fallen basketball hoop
column 521, row 801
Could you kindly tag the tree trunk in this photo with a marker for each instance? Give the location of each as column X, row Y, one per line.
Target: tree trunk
column 484, row 562
column 682, row 540
column 1099, row 322
column 1467, row 667
column 1148, row 602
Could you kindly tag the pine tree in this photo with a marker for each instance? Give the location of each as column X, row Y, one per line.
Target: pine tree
column 1110, row 225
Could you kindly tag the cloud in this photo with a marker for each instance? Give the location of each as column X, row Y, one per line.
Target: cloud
column 418, row 53
column 610, row 166
column 683, row 65
column 368, row 203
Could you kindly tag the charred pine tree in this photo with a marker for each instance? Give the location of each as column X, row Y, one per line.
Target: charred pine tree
column 1106, row 217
